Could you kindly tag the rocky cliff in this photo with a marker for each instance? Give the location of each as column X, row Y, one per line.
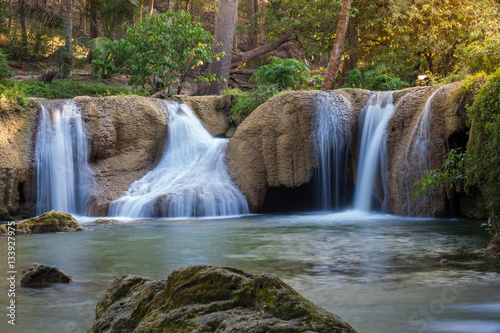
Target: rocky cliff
column 17, row 132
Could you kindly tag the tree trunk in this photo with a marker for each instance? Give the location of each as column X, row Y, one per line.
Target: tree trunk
column 338, row 47
column 10, row 17
column 252, row 8
column 22, row 16
column 94, row 33
column 235, row 39
column 170, row 3
column 351, row 61
column 224, row 33
column 151, row 6
column 247, row 56
column 69, row 38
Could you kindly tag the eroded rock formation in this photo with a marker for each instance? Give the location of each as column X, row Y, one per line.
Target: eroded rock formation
column 411, row 150
column 126, row 136
column 273, row 147
column 209, row 299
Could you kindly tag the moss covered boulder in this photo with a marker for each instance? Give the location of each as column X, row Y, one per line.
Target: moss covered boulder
column 52, row 221
column 209, row 299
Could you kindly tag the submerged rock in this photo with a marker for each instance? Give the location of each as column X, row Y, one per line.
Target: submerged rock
column 105, row 222
column 40, row 275
column 209, row 299
column 53, row 221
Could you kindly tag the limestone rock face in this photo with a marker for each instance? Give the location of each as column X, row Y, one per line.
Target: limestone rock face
column 273, row 147
column 206, row 108
column 40, row 275
column 209, row 299
column 17, row 132
column 52, row 221
column 126, row 140
column 417, row 142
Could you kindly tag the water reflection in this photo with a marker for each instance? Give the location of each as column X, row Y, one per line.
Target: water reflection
column 378, row 272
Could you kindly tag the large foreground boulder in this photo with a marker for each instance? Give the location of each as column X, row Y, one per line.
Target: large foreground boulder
column 52, row 221
column 40, row 275
column 209, row 299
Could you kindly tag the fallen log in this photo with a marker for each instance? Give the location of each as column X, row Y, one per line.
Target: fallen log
column 247, row 56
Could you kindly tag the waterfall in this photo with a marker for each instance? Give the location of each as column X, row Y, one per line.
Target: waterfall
column 373, row 147
column 63, row 177
column 191, row 178
column 331, row 138
column 418, row 159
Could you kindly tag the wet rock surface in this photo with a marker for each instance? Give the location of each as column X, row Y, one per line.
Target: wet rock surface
column 40, row 275
column 209, row 299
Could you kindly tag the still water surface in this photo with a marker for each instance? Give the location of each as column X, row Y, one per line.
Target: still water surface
column 380, row 273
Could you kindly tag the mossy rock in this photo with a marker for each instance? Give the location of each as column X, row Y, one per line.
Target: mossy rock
column 209, row 299
column 53, row 221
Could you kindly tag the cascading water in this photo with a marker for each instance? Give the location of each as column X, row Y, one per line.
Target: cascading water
column 373, row 147
column 331, row 139
column 191, row 178
column 418, row 157
column 63, row 177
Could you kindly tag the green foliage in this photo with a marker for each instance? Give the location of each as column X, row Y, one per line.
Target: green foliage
column 471, row 85
column 243, row 103
column 452, row 174
column 5, row 70
column 483, row 149
column 19, row 92
column 12, row 92
column 482, row 56
column 159, row 52
column 378, row 79
column 285, row 73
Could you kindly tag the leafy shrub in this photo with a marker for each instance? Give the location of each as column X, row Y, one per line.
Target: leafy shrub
column 483, row 149
column 159, row 52
column 69, row 89
column 377, row 79
column 5, row 70
column 243, row 103
column 19, row 92
column 284, row 73
column 482, row 56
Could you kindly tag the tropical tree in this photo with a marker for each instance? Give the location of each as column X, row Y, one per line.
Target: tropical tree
column 159, row 52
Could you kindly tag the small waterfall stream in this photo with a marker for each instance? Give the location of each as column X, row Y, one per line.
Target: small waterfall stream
column 191, row 178
column 418, row 157
column 331, row 138
column 63, row 177
column 375, row 118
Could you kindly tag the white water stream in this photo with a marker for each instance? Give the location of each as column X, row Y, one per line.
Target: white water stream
column 373, row 143
column 191, row 179
column 63, row 177
column 331, row 138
